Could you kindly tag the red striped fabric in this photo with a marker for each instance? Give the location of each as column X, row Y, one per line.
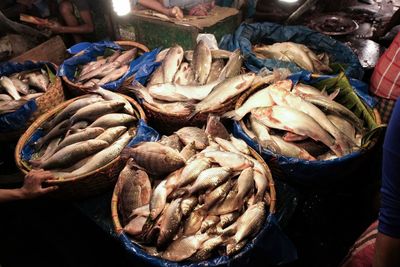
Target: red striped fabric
column 385, row 80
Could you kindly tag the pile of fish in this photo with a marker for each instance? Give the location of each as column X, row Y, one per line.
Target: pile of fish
column 19, row 88
column 87, row 134
column 300, row 121
column 105, row 69
column 192, row 196
column 189, row 82
column 299, row 54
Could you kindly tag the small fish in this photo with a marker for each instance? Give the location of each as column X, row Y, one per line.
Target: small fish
column 171, row 63
column 291, row 149
column 172, row 141
column 170, row 224
column 193, row 222
column 232, row 67
column 158, row 200
column 209, row 222
column 210, row 178
column 59, row 129
column 240, row 145
column 21, row 86
column 92, row 66
column 206, row 249
column 156, row 77
column 39, row 80
column 126, row 56
column 216, row 68
column 188, row 204
column 228, row 219
column 234, row 248
column 217, row 194
column 183, row 248
column 161, row 56
column 142, row 211
column 10, row 88
column 102, row 71
column 111, row 96
column 193, row 134
column 215, row 128
column 86, row 134
column 245, row 184
column 5, row 97
column 135, row 226
column 192, row 170
column 115, row 75
column 184, row 75
column 229, row 160
column 188, row 151
column 201, row 62
column 111, row 134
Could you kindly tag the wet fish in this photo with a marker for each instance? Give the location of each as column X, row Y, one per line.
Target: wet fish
column 188, row 151
column 156, row 77
column 183, row 248
column 126, row 56
column 291, row 149
column 201, row 62
column 210, row 178
column 225, row 90
column 161, row 56
column 172, row 141
column 86, row 134
column 217, row 194
column 58, row 130
column 171, row 63
column 193, row 134
column 114, row 56
column 262, row 135
column 21, row 87
column 113, row 120
column 102, row 71
column 170, row 224
column 173, row 182
column 188, row 204
column 232, row 67
column 142, row 211
column 240, row 145
column 216, row 68
column 184, row 75
column 156, row 158
column 158, row 200
column 228, row 219
column 209, row 222
column 8, row 85
column 193, row 222
column 5, row 97
column 234, row 248
column 111, row 96
column 39, row 80
column 344, row 126
column 115, row 75
column 228, row 205
column 71, row 154
column 111, row 134
column 91, row 83
column 96, row 110
column 135, row 226
column 215, row 54
column 206, row 249
column 77, row 126
column 51, row 148
column 229, row 160
column 245, row 184
column 215, row 128
column 192, row 170
column 92, row 66
column 226, row 145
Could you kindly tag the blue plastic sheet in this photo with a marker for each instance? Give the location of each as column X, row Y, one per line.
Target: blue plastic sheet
column 318, row 173
column 268, row 33
column 17, row 120
column 90, row 51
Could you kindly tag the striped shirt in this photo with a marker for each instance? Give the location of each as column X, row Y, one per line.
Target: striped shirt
column 385, row 80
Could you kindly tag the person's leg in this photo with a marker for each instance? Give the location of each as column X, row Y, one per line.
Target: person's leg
column 67, row 12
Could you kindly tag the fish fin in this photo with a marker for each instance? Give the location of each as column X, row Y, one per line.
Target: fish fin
column 334, row 94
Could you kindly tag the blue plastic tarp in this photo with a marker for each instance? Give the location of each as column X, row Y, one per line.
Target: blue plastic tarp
column 87, row 52
column 18, row 119
column 249, row 34
column 318, row 172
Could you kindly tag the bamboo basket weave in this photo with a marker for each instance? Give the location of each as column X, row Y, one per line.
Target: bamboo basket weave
column 83, row 185
column 50, row 99
column 276, row 168
column 117, row 190
column 77, row 90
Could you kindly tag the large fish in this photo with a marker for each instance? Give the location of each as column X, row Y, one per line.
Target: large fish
column 96, row 110
column 86, row 134
column 109, row 95
column 171, row 63
column 115, row 75
column 59, row 129
column 111, row 134
column 170, row 224
column 225, row 90
column 289, row 119
column 232, row 67
column 201, row 62
column 10, row 88
column 21, row 86
column 291, row 149
column 113, row 120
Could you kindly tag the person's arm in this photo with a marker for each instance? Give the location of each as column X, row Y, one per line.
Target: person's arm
column 31, row 188
column 86, row 27
column 175, row 11
column 387, row 251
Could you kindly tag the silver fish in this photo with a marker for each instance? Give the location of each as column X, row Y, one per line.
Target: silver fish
column 215, row 128
column 172, row 141
column 210, row 178
column 96, row 110
column 206, row 249
column 171, row 63
column 188, row 151
column 102, row 71
column 170, row 224
column 156, row 77
column 111, row 134
column 38, row 80
column 115, row 75
column 291, row 149
column 8, row 85
column 86, row 134
column 188, row 204
column 58, row 130
column 230, row 160
column 183, row 248
column 158, row 200
column 126, row 56
column 201, row 62
column 109, row 95
column 192, row 170
column 216, row 68
column 135, row 226
column 217, row 194
column 232, row 67
column 113, row 120
column 92, row 66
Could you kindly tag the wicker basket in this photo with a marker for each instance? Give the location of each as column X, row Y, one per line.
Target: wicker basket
column 50, row 99
column 77, row 90
column 80, row 186
column 117, row 190
column 278, row 170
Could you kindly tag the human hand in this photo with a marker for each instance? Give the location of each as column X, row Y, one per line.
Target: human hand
column 54, row 26
column 175, row 12
column 32, row 186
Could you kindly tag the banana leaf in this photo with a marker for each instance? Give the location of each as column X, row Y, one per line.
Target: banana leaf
column 52, row 76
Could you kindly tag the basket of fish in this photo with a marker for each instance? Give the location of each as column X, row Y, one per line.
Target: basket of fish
column 189, row 85
column 80, row 141
column 192, row 199
column 106, row 64
column 297, row 48
column 28, row 90
column 313, row 132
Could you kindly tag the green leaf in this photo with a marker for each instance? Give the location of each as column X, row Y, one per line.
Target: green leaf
column 52, row 76
column 372, row 134
column 348, row 98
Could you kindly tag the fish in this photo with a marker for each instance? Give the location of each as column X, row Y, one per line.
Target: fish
column 92, row 66
column 234, row 248
column 21, row 87
column 115, row 75
column 188, row 151
column 262, row 135
column 102, row 71
column 192, row 170
column 215, row 128
column 201, row 62
column 210, row 178
column 91, row 83
column 172, row 183
column 57, row 130
column 291, row 149
column 135, row 226
column 51, row 148
column 184, row 75
column 206, row 249
column 86, row 134
column 226, row 145
column 228, row 205
column 292, row 137
column 344, row 126
column 105, row 156
column 172, row 141
column 188, row 204
column 113, row 120
column 5, row 97
column 161, row 56
column 289, row 119
column 319, row 66
column 143, row 211
column 111, row 134
column 216, row 68
column 71, row 154
column 209, row 222
column 171, row 63
column 135, row 189
column 10, row 88
column 69, row 110
column 10, row 106
column 240, row 145
column 261, row 98
column 217, row 194
column 215, row 54
column 114, row 56
column 126, row 56
column 77, row 126
column 158, row 200
column 245, row 184
column 96, row 110
column 194, row 221
column 232, row 67
column 184, row 247
column 156, row 158
column 156, row 77
column 188, row 135
column 233, row 161
column 170, row 224
column 111, row 96
column 39, row 80
column 228, row 219
column 225, row 90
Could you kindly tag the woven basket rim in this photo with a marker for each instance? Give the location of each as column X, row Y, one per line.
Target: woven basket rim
column 117, row 190
column 121, row 43
column 39, row 121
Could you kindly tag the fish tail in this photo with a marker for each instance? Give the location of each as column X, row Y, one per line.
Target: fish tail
column 334, row 94
column 234, row 115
